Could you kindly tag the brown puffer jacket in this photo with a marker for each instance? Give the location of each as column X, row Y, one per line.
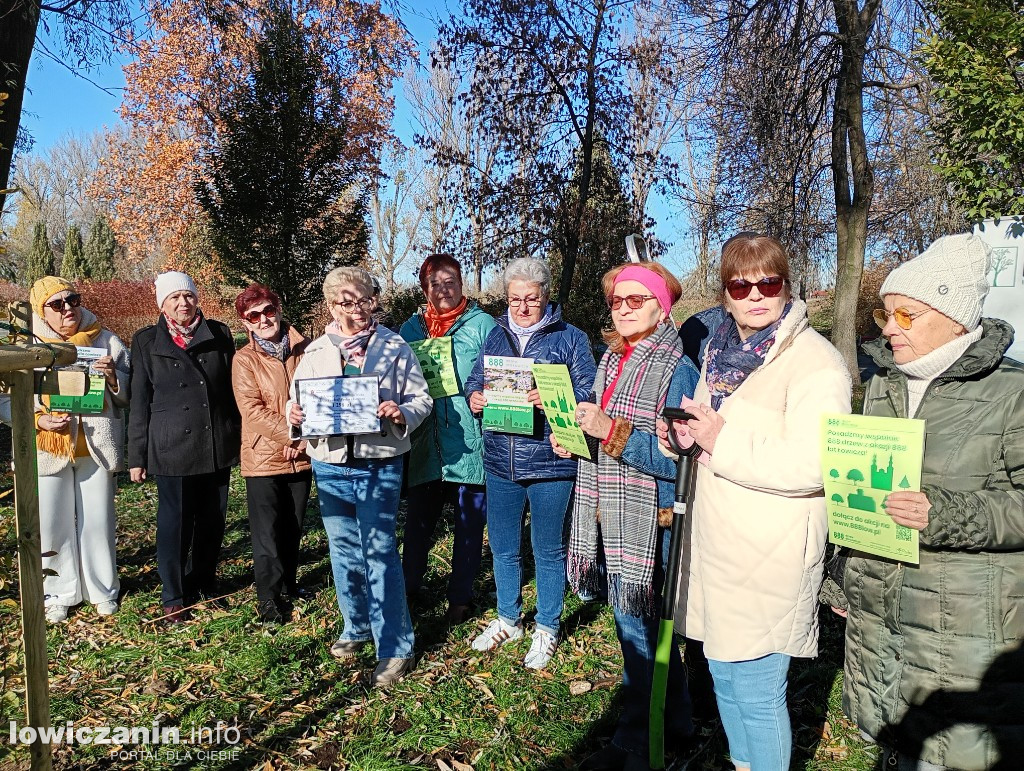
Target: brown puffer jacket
column 261, row 383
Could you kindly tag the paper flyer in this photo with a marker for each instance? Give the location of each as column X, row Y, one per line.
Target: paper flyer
column 507, row 380
column 438, row 365
column 863, row 459
column 339, row 406
column 556, row 393
column 92, row 402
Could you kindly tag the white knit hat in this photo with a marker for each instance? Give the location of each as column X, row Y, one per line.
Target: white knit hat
column 950, row 276
column 173, row 281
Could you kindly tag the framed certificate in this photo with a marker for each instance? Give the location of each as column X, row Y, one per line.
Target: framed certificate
column 337, row 406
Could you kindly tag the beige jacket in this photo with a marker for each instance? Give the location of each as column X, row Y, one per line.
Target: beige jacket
column 759, row 526
column 401, row 380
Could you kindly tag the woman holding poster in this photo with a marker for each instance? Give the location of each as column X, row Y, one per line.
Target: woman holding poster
column 359, row 474
column 623, row 499
column 933, row 669
column 523, row 467
column 446, row 460
column 80, row 449
column 759, row 522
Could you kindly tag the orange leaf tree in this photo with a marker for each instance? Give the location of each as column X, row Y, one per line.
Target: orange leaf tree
column 193, row 57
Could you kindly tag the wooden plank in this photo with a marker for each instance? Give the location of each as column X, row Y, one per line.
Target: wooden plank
column 30, row 564
column 15, row 357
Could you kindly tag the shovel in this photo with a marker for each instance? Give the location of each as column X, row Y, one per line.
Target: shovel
column 682, row 510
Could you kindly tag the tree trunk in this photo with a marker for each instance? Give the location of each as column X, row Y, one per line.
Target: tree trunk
column 18, row 22
column 852, row 176
column 572, row 246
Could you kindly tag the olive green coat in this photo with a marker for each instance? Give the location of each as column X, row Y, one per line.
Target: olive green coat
column 933, row 658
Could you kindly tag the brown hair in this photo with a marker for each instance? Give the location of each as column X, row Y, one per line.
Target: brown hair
column 436, row 262
column 615, row 341
column 747, row 254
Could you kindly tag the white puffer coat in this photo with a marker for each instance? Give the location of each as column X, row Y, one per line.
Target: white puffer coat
column 759, row 524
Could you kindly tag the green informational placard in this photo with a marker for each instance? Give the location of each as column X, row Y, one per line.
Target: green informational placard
column 559, row 399
column 92, row 402
column 507, row 381
column 438, row 365
column 863, row 459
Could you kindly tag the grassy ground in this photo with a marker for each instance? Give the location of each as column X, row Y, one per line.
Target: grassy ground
column 296, row 707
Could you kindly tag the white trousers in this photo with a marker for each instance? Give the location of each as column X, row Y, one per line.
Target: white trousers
column 76, row 520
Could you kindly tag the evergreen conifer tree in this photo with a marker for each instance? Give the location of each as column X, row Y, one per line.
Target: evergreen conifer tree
column 40, row 257
column 284, row 197
column 99, row 250
column 73, row 266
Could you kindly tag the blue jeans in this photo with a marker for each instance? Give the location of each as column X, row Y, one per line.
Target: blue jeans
column 425, row 503
column 549, row 509
column 638, row 638
column 358, row 503
column 752, row 702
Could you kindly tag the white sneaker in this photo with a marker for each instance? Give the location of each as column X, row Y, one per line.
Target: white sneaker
column 541, row 650
column 497, row 633
column 108, row 608
column 55, row 614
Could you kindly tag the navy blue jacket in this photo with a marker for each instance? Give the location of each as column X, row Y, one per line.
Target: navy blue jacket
column 518, row 457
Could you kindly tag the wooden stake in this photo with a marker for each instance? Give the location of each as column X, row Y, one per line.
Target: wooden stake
column 30, row 558
column 30, row 564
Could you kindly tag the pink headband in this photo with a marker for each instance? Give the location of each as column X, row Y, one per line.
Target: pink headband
column 651, row 280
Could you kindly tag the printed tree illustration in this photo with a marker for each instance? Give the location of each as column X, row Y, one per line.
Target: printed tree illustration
column 834, row 473
column 837, row 498
column 855, row 475
column 904, row 483
column 1002, row 259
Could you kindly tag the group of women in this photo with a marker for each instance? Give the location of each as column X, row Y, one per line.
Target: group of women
column 917, row 636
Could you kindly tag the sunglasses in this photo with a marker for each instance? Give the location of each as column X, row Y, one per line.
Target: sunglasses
column 634, row 301
column 70, row 300
column 904, row 318
column 253, row 316
column 769, row 286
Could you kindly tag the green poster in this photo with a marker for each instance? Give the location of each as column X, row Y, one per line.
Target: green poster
column 559, row 401
column 438, row 365
column 507, row 381
column 863, row 459
column 92, row 402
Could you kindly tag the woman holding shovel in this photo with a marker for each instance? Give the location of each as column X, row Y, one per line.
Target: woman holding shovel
column 759, row 524
column 621, row 506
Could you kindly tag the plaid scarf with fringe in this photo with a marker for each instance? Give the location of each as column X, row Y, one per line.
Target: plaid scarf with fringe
column 625, row 499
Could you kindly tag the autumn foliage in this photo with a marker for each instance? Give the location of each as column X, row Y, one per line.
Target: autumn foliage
column 184, row 73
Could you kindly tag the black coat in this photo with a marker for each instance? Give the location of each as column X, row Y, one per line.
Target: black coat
column 183, row 418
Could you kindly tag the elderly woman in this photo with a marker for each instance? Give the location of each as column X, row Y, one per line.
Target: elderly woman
column 183, row 430
column 622, row 508
column 275, row 467
column 446, row 462
column 359, row 477
column 78, row 455
column 933, row 669
column 524, row 468
column 759, row 527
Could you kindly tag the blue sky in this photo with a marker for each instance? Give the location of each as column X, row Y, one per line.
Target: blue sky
column 60, row 103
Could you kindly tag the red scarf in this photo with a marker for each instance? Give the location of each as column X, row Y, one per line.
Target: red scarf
column 610, row 389
column 439, row 323
column 182, row 335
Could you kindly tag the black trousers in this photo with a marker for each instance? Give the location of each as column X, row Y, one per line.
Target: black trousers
column 189, row 532
column 277, row 506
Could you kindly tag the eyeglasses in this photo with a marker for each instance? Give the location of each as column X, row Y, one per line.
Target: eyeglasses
column 769, row 286
column 529, row 302
column 633, row 301
column 904, row 318
column 349, row 306
column 253, row 316
column 70, row 300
